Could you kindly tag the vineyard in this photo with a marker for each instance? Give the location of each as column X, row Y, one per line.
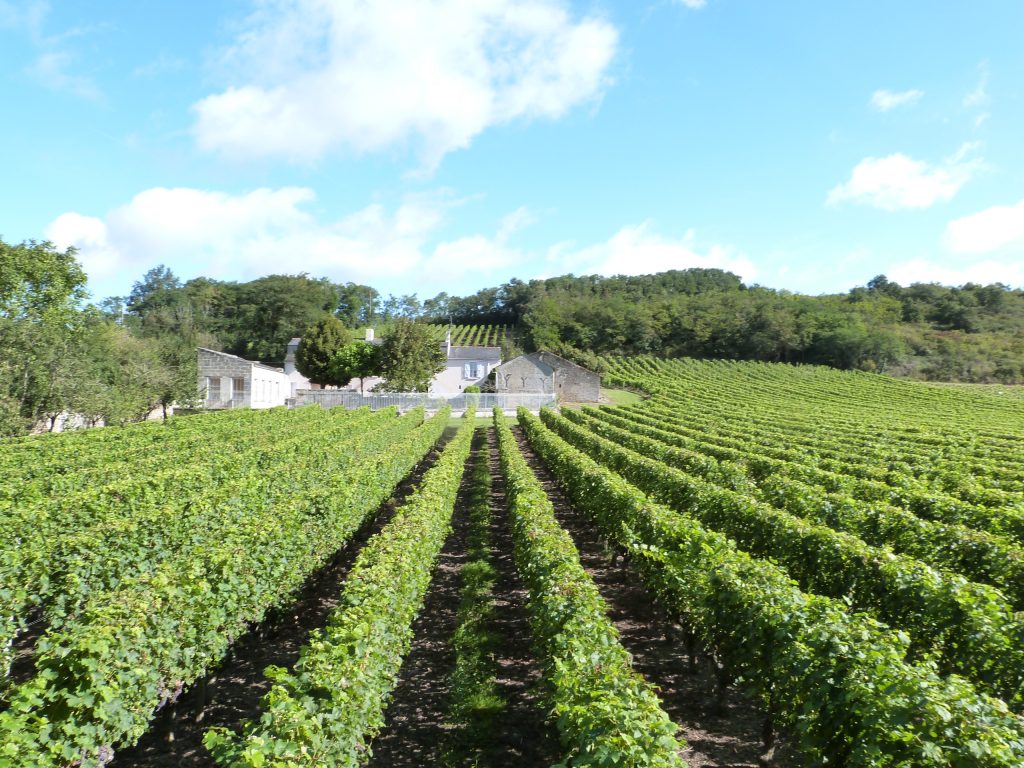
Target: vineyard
column 462, row 335
column 755, row 564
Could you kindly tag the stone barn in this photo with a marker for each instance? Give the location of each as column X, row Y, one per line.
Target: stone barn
column 546, row 372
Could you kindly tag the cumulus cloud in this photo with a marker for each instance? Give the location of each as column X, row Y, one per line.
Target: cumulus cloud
column 897, row 181
column 312, row 76
column 244, row 236
column 884, row 100
column 993, row 229
column 266, row 231
column 639, row 250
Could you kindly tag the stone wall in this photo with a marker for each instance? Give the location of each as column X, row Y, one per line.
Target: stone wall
column 524, row 374
column 213, row 365
column 548, row 373
column 573, row 383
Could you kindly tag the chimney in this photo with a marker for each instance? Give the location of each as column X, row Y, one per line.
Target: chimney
column 448, row 342
column 289, row 358
column 369, row 334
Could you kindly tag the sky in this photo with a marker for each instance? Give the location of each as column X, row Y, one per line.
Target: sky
column 422, row 146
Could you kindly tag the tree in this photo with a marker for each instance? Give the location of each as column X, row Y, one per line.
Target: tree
column 41, row 293
column 357, row 305
column 354, row 361
column 320, row 343
column 37, row 281
column 159, row 289
column 409, row 357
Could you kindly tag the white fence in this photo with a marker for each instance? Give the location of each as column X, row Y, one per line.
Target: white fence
column 404, row 401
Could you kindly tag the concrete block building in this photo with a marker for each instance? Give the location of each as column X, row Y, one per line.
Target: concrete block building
column 229, row 381
column 546, row 372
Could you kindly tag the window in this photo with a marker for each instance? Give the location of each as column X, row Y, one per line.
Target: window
column 213, row 388
column 473, row 371
column 238, row 387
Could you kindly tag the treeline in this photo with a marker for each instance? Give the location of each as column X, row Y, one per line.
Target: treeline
column 119, row 359
column 971, row 333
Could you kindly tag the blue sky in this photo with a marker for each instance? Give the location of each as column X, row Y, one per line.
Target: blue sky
column 448, row 145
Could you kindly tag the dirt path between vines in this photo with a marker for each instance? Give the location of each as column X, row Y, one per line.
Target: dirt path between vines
column 232, row 693
column 726, row 738
column 416, row 730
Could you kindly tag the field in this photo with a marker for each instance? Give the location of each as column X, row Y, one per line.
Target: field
column 756, row 564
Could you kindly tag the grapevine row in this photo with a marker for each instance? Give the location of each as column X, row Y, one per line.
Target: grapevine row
column 326, row 711
column 837, row 680
column 969, row 626
column 134, row 648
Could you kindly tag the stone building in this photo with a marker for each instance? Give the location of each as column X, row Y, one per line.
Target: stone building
column 546, row 372
column 229, row 381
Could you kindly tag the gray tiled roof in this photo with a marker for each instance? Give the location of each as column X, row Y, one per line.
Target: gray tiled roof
column 475, row 353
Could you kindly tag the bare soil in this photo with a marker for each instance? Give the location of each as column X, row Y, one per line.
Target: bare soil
column 416, row 730
column 724, row 731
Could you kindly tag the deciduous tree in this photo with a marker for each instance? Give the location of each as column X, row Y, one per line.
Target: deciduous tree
column 409, row 357
column 320, row 343
column 356, row 360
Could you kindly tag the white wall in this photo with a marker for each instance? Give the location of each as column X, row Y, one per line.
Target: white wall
column 453, row 379
column 269, row 389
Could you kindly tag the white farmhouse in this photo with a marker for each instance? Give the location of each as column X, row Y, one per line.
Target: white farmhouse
column 464, row 366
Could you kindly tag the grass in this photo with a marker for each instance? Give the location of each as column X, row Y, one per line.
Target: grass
column 476, row 702
column 621, row 396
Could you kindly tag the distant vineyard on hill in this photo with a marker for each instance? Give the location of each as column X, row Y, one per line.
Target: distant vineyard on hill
column 462, row 335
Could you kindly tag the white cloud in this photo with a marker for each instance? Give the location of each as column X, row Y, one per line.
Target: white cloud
column 884, row 100
column 638, row 250
column 54, row 61
column 897, row 181
column 28, row 16
column 312, row 76
column 979, row 96
column 694, row 4
column 983, row 272
column 244, row 236
column 995, row 228
column 240, row 237
column 51, row 69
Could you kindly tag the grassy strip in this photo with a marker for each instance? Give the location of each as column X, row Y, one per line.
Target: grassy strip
column 605, row 712
column 326, row 711
column 134, row 648
column 837, row 679
column 475, row 700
